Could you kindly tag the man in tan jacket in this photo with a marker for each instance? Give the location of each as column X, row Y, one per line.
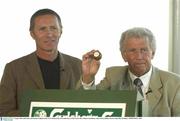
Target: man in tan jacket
column 46, row 68
column 160, row 89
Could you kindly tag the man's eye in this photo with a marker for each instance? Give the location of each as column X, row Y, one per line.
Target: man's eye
column 144, row 50
column 53, row 28
column 132, row 50
column 42, row 28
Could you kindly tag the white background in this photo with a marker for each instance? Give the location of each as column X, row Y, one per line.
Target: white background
column 87, row 24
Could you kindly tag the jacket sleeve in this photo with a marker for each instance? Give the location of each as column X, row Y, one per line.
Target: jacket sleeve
column 105, row 83
column 176, row 103
column 8, row 97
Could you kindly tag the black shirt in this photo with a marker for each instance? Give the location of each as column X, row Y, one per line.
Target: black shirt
column 50, row 73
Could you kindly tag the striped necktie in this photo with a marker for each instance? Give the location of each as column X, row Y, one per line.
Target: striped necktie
column 138, row 84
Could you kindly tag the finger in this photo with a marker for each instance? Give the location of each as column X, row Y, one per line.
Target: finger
column 88, row 55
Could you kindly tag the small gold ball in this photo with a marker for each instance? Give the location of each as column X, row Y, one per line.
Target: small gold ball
column 97, row 55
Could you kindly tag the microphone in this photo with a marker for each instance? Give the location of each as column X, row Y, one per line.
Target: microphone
column 149, row 91
column 62, row 69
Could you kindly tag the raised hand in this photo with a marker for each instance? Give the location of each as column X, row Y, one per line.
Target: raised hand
column 90, row 66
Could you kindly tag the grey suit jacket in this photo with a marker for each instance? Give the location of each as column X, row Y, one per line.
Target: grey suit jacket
column 164, row 100
column 24, row 73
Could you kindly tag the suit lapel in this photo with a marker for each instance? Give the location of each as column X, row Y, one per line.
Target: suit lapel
column 156, row 86
column 127, row 82
column 34, row 70
column 65, row 73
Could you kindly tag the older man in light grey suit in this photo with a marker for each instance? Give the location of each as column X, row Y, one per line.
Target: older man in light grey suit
column 161, row 89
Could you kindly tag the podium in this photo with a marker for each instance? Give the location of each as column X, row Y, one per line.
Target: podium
column 78, row 103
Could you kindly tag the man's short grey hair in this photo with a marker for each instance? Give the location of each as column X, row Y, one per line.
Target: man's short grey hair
column 138, row 32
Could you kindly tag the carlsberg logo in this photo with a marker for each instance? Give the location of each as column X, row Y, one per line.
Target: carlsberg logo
column 77, row 113
column 76, row 109
column 56, row 113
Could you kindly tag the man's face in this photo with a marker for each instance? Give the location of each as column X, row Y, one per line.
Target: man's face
column 46, row 33
column 138, row 55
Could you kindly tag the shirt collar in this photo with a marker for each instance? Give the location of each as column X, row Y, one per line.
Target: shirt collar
column 144, row 78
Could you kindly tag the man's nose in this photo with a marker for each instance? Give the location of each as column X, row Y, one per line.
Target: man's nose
column 139, row 53
column 49, row 32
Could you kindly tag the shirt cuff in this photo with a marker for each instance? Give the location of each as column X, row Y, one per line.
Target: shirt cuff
column 90, row 86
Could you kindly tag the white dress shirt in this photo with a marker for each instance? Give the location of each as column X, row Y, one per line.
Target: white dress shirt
column 145, row 80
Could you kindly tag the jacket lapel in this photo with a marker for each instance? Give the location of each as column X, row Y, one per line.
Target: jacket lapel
column 65, row 73
column 127, row 82
column 34, row 70
column 156, row 86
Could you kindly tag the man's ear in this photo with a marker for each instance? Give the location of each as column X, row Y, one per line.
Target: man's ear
column 123, row 54
column 32, row 34
column 153, row 53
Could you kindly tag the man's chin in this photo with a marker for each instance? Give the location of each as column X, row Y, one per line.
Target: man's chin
column 140, row 71
column 49, row 50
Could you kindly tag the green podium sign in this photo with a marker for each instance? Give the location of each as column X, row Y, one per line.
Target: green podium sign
column 78, row 103
column 77, row 110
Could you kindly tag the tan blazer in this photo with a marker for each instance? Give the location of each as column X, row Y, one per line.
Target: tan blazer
column 164, row 100
column 24, row 73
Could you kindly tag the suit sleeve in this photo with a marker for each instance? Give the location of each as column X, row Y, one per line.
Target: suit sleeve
column 176, row 103
column 8, row 97
column 105, row 83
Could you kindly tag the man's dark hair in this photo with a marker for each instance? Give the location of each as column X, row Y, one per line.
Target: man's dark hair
column 43, row 12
